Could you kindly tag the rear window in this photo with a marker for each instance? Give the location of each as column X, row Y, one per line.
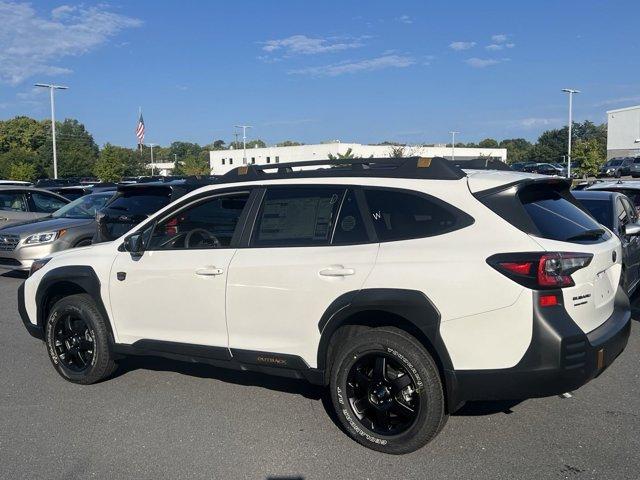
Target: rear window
column 600, row 210
column 140, row 204
column 545, row 210
column 555, row 216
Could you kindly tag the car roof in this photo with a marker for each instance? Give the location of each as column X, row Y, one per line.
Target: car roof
column 616, row 185
column 595, row 194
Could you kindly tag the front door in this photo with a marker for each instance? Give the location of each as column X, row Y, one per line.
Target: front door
column 308, row 247
column 630, row 243
column 175, row 290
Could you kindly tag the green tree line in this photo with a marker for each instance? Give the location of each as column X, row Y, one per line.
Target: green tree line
column 26, row 151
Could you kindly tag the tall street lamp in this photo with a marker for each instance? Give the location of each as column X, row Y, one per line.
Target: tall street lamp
column 570, row 91
column 53, row 121
column 244, row 141
column 453, row 145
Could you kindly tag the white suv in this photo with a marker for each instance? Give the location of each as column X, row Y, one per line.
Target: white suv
column 406, row 286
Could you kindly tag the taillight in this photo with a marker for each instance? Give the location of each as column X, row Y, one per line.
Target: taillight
column 540, row 270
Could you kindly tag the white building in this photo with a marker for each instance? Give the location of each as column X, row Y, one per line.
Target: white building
column 623, row 132
column 222, row 161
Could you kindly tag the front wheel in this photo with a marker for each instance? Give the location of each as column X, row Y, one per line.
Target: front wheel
column 387, row 392
column 77, row 340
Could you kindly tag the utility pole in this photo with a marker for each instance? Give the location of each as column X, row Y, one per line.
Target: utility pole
column 151, row 145
column 453, row 145
column 244, row 141
column 570, row 91
column 51, row 88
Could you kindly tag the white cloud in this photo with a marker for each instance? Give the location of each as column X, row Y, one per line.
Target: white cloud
column 499, row 38
column 533, row 122
column 617, row 101
column 368, row 65
column 303, row 45
column 484, row 62
column 32, row 44
column 510, row 45
column 405, row 19
column 499, row 46
column 462, row 45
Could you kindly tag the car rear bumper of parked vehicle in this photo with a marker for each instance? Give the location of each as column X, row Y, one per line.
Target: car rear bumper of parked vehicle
column 560, row 358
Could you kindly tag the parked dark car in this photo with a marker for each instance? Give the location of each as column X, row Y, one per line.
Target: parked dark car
column 630, row 188
column 616, row 212
column 135, row 202
column 635, row 167
column 616, row 167
column 77, row 191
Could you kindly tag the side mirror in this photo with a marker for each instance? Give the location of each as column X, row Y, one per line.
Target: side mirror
column 133, row 243
column 632, row 229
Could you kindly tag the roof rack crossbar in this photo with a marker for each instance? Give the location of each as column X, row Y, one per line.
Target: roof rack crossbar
column 436, row 168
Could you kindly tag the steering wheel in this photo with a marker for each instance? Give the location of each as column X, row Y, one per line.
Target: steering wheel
column 205, row 234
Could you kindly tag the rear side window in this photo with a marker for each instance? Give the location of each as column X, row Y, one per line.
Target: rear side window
column 297, row 216
column 400, row 215
column 601, row 211
column 140, row 204
column 556, row 217
column 12, row 202
column 44, row 203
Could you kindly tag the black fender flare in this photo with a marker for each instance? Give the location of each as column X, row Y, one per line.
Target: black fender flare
column 81, row 276
column 412, row 306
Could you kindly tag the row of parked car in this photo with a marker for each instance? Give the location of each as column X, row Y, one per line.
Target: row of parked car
column 616, row 167
column 35, row 222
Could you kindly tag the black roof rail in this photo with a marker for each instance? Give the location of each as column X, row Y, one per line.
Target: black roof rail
column 436, row 168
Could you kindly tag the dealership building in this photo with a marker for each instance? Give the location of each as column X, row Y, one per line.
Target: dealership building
column 623, row 132
column 222, row 161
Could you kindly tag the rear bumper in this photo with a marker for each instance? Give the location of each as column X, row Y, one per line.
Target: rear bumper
column 560, row 358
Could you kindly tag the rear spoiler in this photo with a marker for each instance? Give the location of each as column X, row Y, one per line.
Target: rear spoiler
column 558, row 183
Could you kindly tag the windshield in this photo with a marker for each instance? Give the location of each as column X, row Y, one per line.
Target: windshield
column 83, row 207
column 614, row 163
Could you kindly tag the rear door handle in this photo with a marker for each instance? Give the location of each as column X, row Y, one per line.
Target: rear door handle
column 209, row 271
column 337, row 272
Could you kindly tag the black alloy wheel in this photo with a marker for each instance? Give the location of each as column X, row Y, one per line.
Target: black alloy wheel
column 74, row 343
column 382, row 394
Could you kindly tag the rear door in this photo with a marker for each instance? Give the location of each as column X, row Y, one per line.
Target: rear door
column 42, row 204
column 309, row 245
column 13, row 207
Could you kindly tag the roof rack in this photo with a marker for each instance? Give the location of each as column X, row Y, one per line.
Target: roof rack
column 436, row 168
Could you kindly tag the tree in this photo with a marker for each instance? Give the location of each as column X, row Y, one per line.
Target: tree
column 342, row 156
column 257, row 143
column 518, row 149
column 183, row 150
column 588, row 153
column 288, row 143
column 77, row 151
column 488, row 143
column 397, row 151
column 192, row 166
column 25, row 172
column 109, row 169
column 23, row 133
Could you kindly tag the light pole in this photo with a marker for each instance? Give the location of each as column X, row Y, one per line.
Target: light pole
column 151, row 145
column 453, row 145
column 244, row 141
column 570, row 91
column 51, row 88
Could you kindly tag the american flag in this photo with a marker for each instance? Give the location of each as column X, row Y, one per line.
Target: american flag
column 140, row 130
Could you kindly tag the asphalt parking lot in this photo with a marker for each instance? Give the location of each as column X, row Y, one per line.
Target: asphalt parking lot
column 158, row 419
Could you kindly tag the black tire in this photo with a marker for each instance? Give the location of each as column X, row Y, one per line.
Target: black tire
column 83, row 243
column 77, row 340
column 618, row 174
column 403, row 355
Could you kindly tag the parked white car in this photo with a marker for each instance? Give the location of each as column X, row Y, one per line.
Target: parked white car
column 407, row 287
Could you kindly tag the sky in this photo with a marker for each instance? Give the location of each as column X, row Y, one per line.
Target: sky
column 357, row 71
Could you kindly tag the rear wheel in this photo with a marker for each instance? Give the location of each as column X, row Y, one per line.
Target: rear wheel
column 387, row 392
column 77, row 340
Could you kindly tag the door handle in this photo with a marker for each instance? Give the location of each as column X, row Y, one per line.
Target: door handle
column 209, row 271
column 337, row 272
column 3, row 219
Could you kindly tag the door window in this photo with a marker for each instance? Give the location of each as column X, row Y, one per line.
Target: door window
column 621, row 213
column 207, row 224
column 297, row 216
column 350, row 227
column 44, row 203
column 12, row 202
column 399, row 215
column 631, row 211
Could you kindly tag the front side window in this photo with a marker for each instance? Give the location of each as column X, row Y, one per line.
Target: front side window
column 12, row 202
column 44, row 203
column 207, row 224
column 399, row 215
column 297, row 216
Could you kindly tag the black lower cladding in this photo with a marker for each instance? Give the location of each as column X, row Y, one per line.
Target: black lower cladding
column 35, row 331
column 560, row 358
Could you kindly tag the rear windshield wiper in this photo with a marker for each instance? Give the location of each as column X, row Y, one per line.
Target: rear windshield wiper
column 594, row 233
